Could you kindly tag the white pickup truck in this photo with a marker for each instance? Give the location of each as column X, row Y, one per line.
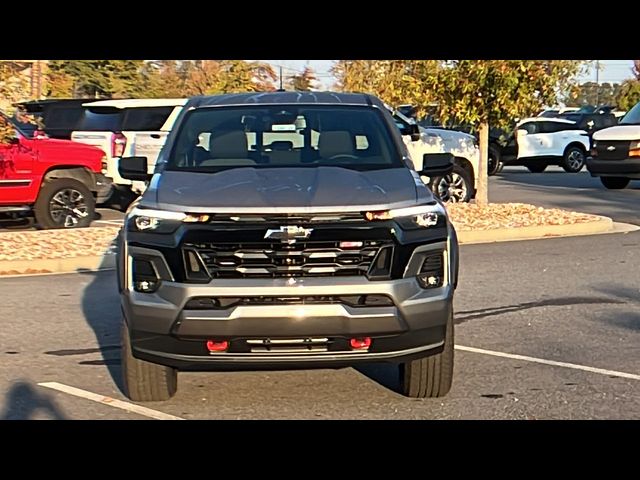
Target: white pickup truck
column 460, row 185
column 126, row 128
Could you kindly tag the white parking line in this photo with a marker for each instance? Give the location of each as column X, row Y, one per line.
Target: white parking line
column 112, row 402
column 574, row 366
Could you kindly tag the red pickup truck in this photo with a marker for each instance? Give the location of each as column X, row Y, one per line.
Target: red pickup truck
column 57, row 181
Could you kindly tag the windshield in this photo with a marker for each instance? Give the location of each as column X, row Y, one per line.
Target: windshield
column 218, row 138
column 632, row 117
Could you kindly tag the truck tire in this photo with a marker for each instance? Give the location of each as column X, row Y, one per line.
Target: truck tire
column 493, row 166
column 573, row 159
column 454, row 188
column 615, row 183
column 145, row 381
column 430, row 376
column 64, row 203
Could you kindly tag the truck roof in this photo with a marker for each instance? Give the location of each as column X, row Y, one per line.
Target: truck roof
column 326, row 98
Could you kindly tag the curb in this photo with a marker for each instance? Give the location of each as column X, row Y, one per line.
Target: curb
column 41, row 266
column 603, row 225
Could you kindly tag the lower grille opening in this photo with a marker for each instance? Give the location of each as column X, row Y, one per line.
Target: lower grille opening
column 223, row 303
column 432, row 271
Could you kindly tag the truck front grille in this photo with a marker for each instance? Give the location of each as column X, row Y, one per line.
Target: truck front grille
column 613, row 149
column 276, row 259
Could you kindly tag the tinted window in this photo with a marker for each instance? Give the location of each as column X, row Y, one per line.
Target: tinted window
column 632, row 116
column 531, row 127
column 574, row 117
column 145, row 119
column 101, row 119
column 553, row 127
column 62, row 118
column 211, row 139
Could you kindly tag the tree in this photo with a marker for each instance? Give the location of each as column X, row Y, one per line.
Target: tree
column 629, row 94
column 14, row 86
column 97, row 78
column 590, row 93
column 394, row 81
column 636, row 69
column 304, row 81
column 165, row 78
column 209, row 77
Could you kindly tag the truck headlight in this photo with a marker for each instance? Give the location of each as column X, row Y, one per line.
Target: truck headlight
column 423, row 216
column 160, row 221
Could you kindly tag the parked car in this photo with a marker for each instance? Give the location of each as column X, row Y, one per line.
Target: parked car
column 615, row 156
column 57, row 181
column 324, row 250
column 59, row 116
column 538, row 142
column 460, row 184
column 591, row 122
column 127, row 128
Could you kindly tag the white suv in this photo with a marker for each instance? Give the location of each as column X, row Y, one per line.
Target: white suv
column 550, row 141
column 127, row 128
column 460, row 185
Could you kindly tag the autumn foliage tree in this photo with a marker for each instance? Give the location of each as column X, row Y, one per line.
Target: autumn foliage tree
column 303, row 81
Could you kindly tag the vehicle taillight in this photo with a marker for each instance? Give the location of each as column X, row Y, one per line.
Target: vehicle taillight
column 118, row 143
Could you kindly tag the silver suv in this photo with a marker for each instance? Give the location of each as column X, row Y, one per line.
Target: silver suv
column 286, row 230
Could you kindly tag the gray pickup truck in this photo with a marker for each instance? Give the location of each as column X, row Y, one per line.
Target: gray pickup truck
column 286, row 230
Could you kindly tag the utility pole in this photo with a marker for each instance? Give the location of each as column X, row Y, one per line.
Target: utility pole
column 280, row 77
column 597, row 83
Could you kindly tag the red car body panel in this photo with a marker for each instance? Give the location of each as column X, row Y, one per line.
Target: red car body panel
column 23, row 165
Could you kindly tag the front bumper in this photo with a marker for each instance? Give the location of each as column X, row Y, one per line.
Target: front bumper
column 103, row 188
column 163, row 331
column 412, row 325
column 629, row 167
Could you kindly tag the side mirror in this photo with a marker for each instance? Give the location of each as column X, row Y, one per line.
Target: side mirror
column 437, row 164
column 413, row 130
column 521, row 132
column 134, row 168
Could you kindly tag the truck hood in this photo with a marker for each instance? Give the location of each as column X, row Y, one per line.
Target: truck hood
column 58, row 144
column 619, row 132
column 283, row 190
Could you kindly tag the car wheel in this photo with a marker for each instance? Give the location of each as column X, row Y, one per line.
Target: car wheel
column 573, row 159
column 615, row 183
column 430, row 376
column 145, row 381
column 493, row 164
column 455, row 187
column 536, row 168
column 64, row 203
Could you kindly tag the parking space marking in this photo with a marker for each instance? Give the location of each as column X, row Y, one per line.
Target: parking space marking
column 112, row 402
column 543, row 361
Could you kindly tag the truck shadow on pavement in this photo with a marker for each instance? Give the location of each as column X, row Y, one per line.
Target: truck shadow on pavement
column 24, row 400
column 629, row 319
column 101, row 309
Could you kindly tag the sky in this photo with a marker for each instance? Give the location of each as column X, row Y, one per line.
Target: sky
column 612, row 71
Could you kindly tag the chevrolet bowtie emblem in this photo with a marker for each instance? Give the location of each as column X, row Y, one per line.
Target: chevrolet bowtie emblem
column 289, row 233
column 611, row 148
